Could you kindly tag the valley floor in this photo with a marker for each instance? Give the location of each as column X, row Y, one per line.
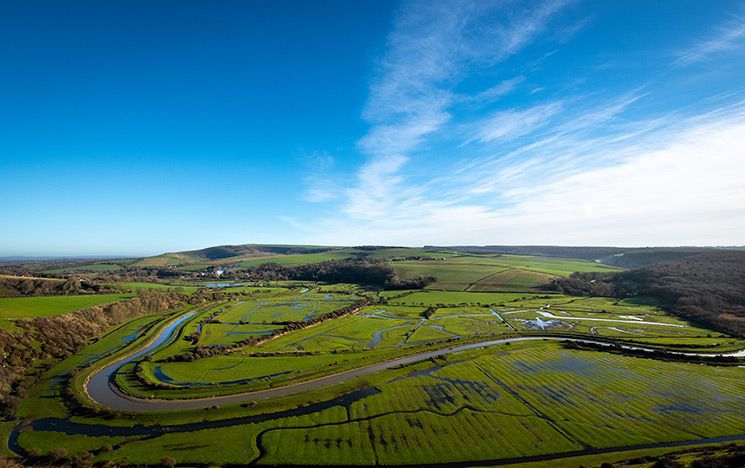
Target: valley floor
column 518, row 401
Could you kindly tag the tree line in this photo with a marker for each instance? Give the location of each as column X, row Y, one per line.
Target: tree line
column 707, row 289
column 366, row 271
column 13, row 286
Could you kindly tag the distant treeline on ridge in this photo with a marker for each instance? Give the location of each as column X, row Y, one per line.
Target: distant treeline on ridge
column 707, row 289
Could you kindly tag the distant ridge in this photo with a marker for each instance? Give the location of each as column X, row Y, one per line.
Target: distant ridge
column 625, row 257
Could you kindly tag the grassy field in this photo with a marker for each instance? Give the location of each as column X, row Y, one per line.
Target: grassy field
column 382, row 331
column 402, row 252
column 12, row 308
column 287, row 306
column 454, row 271
column 168, row 259
column 87, row 268
column 506, row 401
column 511, row 280
column 539, row 392
column 433, row 298
column 5, row 428
column 298, row 259
column 493, row 273
column 457, row 277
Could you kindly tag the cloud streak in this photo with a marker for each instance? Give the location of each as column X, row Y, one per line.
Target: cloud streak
column 728, row 38
column 430, row 50
column 679, row 187
column 446, row 166
column 508, row 125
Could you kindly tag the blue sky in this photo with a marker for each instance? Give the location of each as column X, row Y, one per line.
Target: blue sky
column 139, row 127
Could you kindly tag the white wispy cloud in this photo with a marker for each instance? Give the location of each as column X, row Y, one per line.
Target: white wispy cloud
column 320, row 183
column 513, row 123
column 579, row 169
column 431, row 47
column 680, row 186
column 684, row 190
column 728, row 38
column 569, row 144
column 495, row 92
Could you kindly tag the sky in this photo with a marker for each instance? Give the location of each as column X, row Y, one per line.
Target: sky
column 139, row 127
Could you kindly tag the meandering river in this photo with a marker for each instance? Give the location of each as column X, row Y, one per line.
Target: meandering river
column 100, row 386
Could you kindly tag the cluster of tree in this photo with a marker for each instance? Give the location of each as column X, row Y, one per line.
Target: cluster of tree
column 59, row 336
column 59, row 456
column 367, row 271
column 206, row 295
column 729, row 456
column 636, row 258
column 587, row 284
column 706, row 289
column 373, row 272
column 429, row 311
column 417, row 282
column 32, row 286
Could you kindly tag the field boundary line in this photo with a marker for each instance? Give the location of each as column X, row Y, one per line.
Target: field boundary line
column 483, row 278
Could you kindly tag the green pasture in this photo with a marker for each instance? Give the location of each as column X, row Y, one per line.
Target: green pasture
column 5, row 428
column 87, row 268
column 294, row 259
column 464, row 321
column 230, row 368
column 551, row 266
column 404, row 252
column 449, row 276
column 457, row 298
column 506, row 401
column 12, row 308
column 291, row 306
column 388, row 328
column 218, row 334
column 239, row 320
column 385, row 327
column 493, row 273
column 511, row 280
column 502, row 401
column 168, row 259
column 348, row 333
